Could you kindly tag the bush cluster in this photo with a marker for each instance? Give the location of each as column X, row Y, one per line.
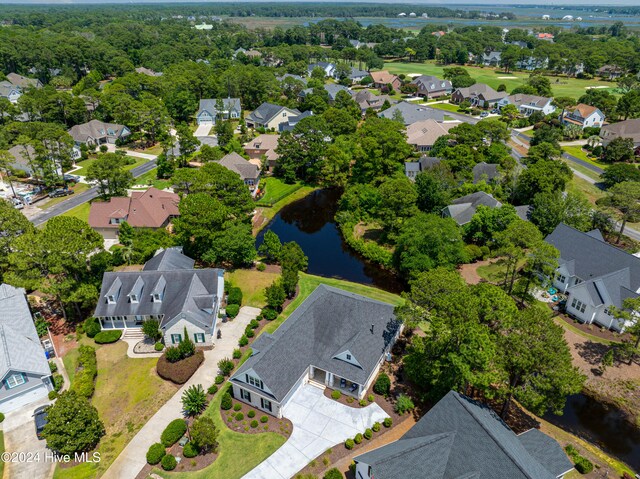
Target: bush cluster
column 189, row 450
column 108, row 336
column 243, row 341
column 269, row 314
column 349, row 443
column 226, row 366
column 404, row 404
column 254, row 424
column 86, row 372
column 155, row 453
column 387, row 422
column 254, row 324
column 582, row 464
column 92, row 327
column 249, row 333
column 237, row 354
column 169, row 462
column 58, row 381
column 333, row 474
column 179, row 372
column 382, row 384
column 251, row 414
column 173, row 432
column 363, row 402
column 53, row 367
column 232, row 310
column 219, row 379
column 234, row 296
column 226, row 402
column 212, row 389
column 335, row 394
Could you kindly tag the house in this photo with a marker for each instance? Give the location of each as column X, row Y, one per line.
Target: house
column 413, row 168
column 292, row 121
column 203, row 26
column 594, row 274
column 487, row 172
column 96, row 132
column 438, row 34
column 491, row 59
column 528, row 104
column 24, row 369
column 211, row 110
column 293, row 77
column 480, row 94
column 329, row 69
column 23, row 82
column 461, row 438
column 269, row 116
column 356, row 75
column 519, row 43
column 253, row 54
column 430, row 86
column 148, row 72
column 610, row 72
column 334, row 339
column 547, row 37
column 365, row 99
column 263, row 146
column 532, row 63
column 10, row 91
column 462, row 209
column 357, row 44
column 622, row 129
column 583, row 116
column 383, row 79
column 248, row 172
column 412, row 113
column 422, row 135
column 153, row 208
column 168, row 290
column 24, row 156
column 331, row 88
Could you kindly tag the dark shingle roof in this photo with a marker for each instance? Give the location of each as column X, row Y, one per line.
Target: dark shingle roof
column 546, row 451
column 412, row 113
column 468, row 437
column 329, row 322
column 462, row 209
column 169, row 259
column 485, row 171
column 266, row 112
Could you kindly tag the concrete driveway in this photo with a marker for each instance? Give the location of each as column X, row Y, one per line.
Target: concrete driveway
column 20, row 436
column 318, row 424
column 203, row 129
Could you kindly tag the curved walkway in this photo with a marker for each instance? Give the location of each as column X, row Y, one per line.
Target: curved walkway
column 133, row 458
column 318, row 424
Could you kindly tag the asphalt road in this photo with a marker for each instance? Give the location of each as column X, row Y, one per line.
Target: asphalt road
column 77, row 200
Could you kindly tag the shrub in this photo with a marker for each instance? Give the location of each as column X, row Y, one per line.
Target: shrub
column 204, row 434
column 261, row 267
column 173, row 432
column 473, row 252
column 226, row 403
column 234, row 296
column 179, row 372
column 358, row 438
column 53, row 367
column 254, row 424
column 403, row 404
column 249, row 333
column 158, row 347
column 232, row 310
column 239, row 416
column 583, row 465
column 58, row 381
column 363, row 402
column 189, row 450
column 382, row 385
column 368, row 434
column 186, row 347
column 219, row 379
column 349, row 443
column 350, row 399
column 151, row 329
column 269, row 314
column 333, row 474
column 172, row 354
column 194, row 400
column 212, row 389
column 371, row 398
column 237, row 406
column 251, row 414
column 335, row 394
column 254, row 324
column 376, row 426
column 226, row 366
column 264, row 419
column 387, row 422
column 155, row 453
column 83, row 382
column 237, row 354
column 243, row 341
column 168, row 462
column 52, row 395
column 92, row 327
column 107, row 337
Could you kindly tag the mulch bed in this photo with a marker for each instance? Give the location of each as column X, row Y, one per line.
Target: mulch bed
column 595, row 330
column 281, row 426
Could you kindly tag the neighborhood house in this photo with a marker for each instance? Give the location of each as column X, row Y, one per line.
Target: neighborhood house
column 210, row 111
column 248, row 172
column 623, row 129
column 270, row 116
column 96, row 132
column 430, row 86
column 334, row 339
column 528, row 104
column 263, row 146
column 478, row 95
column 583, row 116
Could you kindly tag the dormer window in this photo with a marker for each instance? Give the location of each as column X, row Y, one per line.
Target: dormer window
column 348, row 357
column 133, row 298
column 111, row 299
column 156, row 298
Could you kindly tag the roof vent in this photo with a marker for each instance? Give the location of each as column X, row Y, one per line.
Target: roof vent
column 372, row 327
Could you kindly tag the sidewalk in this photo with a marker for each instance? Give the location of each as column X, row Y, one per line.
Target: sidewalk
column 133, row 458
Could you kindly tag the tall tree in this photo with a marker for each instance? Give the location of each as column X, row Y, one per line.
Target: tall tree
column 109, row 171
column 625, row 197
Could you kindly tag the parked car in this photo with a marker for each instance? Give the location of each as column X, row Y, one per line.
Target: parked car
column 495, row 111
column 484, row 114
column 60, row 192
column 40, row 419
column 73, row 178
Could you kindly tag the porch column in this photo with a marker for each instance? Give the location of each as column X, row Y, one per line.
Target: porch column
column 112, row 325
column 331, row 378
column 311, row 370
column 125, row 321
column 359, row 389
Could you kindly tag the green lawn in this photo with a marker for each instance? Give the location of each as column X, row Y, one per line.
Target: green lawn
column 85, row 164
column 252, row 283
column 1, row 451
column 77, row 188
column 494, row 272
column 275, row 190
column 561, row 86
column 528, row 133
column 154, row 150
column 283, row 194
column 80, row 211
column 150, row 178
column 238, row 453
column 128, row 392
column 445, row 106
column 578, row 152
column 580, row 185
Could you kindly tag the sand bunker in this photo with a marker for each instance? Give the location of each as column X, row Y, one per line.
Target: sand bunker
column 508, row 78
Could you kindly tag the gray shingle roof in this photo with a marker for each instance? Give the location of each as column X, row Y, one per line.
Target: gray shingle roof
column 266, row 112
column 327, row 323
column 412, row 113
column 20, row 347
column 462, row 209
column 234, row 162
column 485, row 171
column 468, row 438
column 168, row 260
column 6, row 88
column 431, row 83
column 97, row 129
column 331, row 88
column 546, row 451
column 228, row 104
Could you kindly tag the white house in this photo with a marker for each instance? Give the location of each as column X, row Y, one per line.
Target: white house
column 10, row 91
column 595, row 275
column 270, row 116
column 583, row 116
column 328, row 68
column 211, row 110
column 528, row 104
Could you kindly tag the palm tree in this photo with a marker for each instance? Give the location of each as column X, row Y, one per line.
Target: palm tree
column 593, row 140
column 194, row 400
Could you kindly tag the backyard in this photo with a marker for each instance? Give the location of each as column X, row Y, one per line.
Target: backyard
column 80, row 212
column 85, row 164
column 561, row 86
column 252, row 283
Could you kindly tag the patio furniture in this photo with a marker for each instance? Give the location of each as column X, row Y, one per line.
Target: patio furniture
column 343, row 383
column 354, row 386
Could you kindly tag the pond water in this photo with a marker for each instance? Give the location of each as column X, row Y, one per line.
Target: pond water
column 309, row 222
column 601, row 425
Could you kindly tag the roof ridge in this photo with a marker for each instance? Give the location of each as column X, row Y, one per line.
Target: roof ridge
column 420, row 442
column 610, row 246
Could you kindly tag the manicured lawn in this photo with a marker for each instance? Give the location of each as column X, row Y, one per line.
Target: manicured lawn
column 578, row 152
column 85, row 164
column 308, row 283
column 154, row 150
column 80, row 211
column 151, row 178
column 275, row 190
column 445, row 106
column 238, row 453
column 592, row 192
column 1, row 451
column 561, row 86
column 528, row 133
column 128, row 392
column 78, row 188
column 252, row 283
column 494, row 272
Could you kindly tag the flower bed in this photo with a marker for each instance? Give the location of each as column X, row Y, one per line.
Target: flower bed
column 244, row 424
column 180, row 371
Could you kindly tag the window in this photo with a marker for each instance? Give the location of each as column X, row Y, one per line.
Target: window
column 607, row 311
column 284, row 113
column 254, row 381
column 562, row 278
column 348, row 357
column 579, row 305
column 198, row 337
column 246, row 395
column 133, row 298
column 265, row 404
column 15, row 380
column 176, row 338
column 111, row 299
column 156, row 298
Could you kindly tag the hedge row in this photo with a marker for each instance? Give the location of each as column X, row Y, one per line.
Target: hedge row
column 180, row 371
column 173, row 432
column 86, row 372
column 109, row 336
column 368, row 249
column 92, row 327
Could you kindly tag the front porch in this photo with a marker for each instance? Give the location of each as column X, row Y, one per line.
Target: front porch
column 333, row 381
column 124, row 322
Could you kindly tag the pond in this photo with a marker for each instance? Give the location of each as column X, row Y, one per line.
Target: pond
column 309, row 222
column 602, row 425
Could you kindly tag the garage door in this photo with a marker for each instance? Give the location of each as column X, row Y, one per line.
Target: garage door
column 24, row 398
